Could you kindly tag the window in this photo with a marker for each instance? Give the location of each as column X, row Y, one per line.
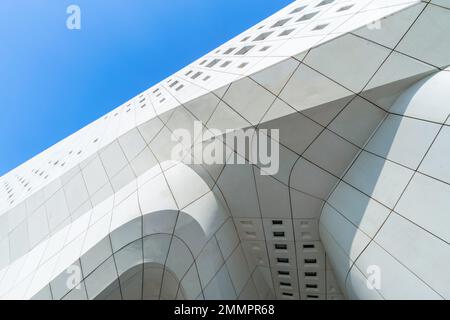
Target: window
column 213, row 63
column 308, row 16
column 308, row 246
column 263, row 36
column 174, row 84
column 162, row 100
column 260, row 27
column 310, row 274
column 324, row 2
column 283, row 273
column 282, row 260
column 181, row 86
column 281, row 23
column 345, row 8
column 225, row 64
column 310, row 261
column 155, row 91
column 279, row 234
column 286, row 32
column 298, row 9
column 203, row 62
column 288, row 294
column 188, row 73
column 320, row 27
column 281, row 246
column 245, row 39
column 243, row 65
column 198, row 74
column 285, row 284
column 265, row 48
column 311, row 286
column 278, row 222
column 228, row 51
column 244, row 50
column 207, row 78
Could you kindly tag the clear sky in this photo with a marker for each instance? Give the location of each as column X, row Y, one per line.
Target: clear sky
column 54, row 81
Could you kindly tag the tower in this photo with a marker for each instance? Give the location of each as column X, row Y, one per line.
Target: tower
column 358, row 92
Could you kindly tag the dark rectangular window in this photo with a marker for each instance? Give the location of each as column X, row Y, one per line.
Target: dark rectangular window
column 310, row 261
column 286, row 32
column 281, row 23
column 225, row 64
column 263, row 36
column 308, row 16
column 324, row 2
column 345, row 8
column 310, row 274
column 228, row 51
column 244, row 50
column 296, row 10
column 198, row 74
column 320, row 27
column 213, row 63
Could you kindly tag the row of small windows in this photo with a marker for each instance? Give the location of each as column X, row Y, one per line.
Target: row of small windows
column 299, row 9
column 158, row 94
column 181, row 86
column 240, row 52
column 213, row 63
column 305, row 17
column 9, row 190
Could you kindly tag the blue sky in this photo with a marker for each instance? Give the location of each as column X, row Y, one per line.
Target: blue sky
column 54, row 81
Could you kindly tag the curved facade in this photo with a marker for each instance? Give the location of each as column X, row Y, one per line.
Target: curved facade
column 357, row 209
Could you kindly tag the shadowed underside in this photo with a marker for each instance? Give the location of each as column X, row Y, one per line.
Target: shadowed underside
column 362, row 184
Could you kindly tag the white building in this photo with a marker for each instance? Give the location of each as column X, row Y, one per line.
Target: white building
column 360, row 206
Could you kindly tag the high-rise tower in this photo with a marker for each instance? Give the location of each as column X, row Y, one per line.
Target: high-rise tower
column 358, row 90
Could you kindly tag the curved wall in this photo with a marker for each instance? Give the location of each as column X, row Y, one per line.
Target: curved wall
column 113, row 185
column 389, row 215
